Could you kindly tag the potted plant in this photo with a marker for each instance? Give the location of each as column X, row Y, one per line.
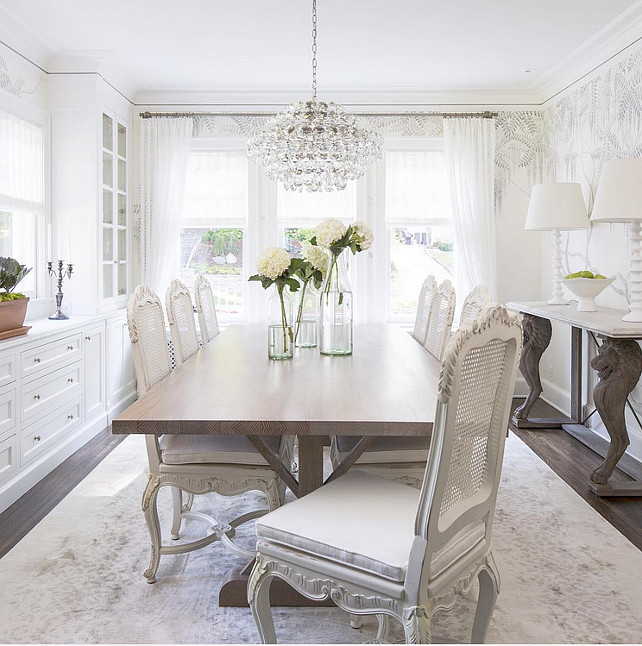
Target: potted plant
column 13, row 305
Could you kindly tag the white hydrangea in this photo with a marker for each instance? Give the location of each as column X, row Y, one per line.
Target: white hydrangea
column 273, row 262
column 316, row 256
column 329, row 231
column 362, row 235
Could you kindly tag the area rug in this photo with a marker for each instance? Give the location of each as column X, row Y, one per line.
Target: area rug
column 567, row 574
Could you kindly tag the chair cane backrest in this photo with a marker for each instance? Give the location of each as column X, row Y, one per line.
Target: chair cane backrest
column 426, row 297
column 180, row 316
column 440, row 320
column 474, row 303
column 465, row 458
column 147, row 333
column 204, row 299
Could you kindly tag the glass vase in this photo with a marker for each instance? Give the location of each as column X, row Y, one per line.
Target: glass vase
column 307, row 316
column 280, row 333
column 335, row 321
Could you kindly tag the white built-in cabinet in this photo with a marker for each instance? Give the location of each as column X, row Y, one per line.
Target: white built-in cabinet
column 57, row 390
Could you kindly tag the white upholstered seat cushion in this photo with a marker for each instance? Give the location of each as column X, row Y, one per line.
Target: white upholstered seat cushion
column 388, row 448
column 213, row 449
column 362, row 520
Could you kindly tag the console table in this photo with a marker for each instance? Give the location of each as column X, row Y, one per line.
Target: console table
column 618, row 364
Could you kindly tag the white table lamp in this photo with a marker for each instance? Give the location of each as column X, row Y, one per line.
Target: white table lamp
column 619, row 199
column 556, row 207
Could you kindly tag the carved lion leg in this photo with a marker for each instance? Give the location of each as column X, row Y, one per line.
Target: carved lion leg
column 177, row 510
column 488, row 591
column 258, row 594
column 537, row 336
column 615, row 423
column 416, row 625
column 153, row 525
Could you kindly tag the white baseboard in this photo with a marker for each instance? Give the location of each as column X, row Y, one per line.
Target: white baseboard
column 119, row 407
column 33, row 473
column 557, row 397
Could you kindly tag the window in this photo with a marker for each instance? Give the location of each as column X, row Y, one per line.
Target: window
column 213, row 226
column 299, row 213
column 22, row 192
column 419, row 225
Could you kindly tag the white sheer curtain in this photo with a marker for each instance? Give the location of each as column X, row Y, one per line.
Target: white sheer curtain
column 165, row 150
column 470, row 155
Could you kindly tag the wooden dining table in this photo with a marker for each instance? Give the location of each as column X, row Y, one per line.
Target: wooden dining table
column 387, row 386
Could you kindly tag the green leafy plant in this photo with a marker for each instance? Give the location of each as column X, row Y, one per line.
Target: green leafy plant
column 305, row 272
column 11, row 273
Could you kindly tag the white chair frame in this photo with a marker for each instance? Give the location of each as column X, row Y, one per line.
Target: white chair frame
column 180, row 316
column 473, row 304
column 225, row 479
column 424, row 304
column 440, row 321
column 206, row 309
column 459, row 492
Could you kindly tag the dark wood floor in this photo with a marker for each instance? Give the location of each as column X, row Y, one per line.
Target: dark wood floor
column 565, row 455
column 573, row 462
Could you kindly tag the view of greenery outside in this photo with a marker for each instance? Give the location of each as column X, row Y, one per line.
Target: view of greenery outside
column 416, row 252
column 295, row 238
column 217, row 253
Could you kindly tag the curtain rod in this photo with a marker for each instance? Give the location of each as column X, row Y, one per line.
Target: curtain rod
column 446, row 115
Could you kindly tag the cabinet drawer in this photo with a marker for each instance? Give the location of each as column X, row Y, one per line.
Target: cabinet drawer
column 50, row 354
column 38, row 437
column 7, row 369
column 7, row 411
column 8, row 458
column 47, row 392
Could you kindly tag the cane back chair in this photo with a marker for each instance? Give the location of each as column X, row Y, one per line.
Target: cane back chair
column 378, row 547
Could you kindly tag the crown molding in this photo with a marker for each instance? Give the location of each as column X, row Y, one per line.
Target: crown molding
column 611, row 42
column 26, row 43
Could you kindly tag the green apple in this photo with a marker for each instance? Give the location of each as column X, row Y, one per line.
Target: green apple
column 586, row 274
column 600, row 276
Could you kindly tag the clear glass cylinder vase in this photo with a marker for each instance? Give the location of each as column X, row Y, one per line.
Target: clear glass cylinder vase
column 335, row 320
column 280, row 333
column 307, row 316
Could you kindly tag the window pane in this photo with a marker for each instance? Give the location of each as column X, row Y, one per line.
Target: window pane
column 295, row 237
column 416, row 186
column 216, row 187
column 18, row 240
column 218, row 254
column 416, row 252
column 316, row 207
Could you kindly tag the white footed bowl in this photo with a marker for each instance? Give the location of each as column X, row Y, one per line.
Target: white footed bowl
column 586, row 289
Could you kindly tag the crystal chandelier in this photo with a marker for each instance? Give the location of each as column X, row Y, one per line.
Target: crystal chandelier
column 314, row 145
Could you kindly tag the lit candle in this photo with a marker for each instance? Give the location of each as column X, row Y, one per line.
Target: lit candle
column 59, row 244
column 68, row 256
column 49, row 256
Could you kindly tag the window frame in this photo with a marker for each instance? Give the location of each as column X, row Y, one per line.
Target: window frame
column 234, row 145
column 42, row 119
column 399, row 144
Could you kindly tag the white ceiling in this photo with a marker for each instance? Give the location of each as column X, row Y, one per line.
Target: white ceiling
column 364, row 45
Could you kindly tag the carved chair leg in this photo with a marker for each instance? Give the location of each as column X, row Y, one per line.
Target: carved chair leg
column 383, row 625
column 177, row 510
column 258, row 594
column 355, row 621
column 189, row 502
column 273, row 494
column 416, row 625
column 488, row 591
column 150, row 510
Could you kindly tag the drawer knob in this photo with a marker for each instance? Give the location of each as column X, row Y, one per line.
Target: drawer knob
column 70, row 380
column 36, row 360
column 36, row 438
column 87, row 338
column 36, row 396
column 70, row 347
column 70, row 416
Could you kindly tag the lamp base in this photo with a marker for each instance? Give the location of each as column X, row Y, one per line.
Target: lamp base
column 633, row 317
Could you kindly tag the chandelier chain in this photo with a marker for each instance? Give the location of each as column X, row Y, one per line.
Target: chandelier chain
column 314, row 50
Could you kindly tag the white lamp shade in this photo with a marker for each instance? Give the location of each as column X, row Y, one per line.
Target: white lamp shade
column 556, row 206
column 619, row 191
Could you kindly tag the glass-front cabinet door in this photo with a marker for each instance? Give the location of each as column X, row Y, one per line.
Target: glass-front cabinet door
column 115, row 209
